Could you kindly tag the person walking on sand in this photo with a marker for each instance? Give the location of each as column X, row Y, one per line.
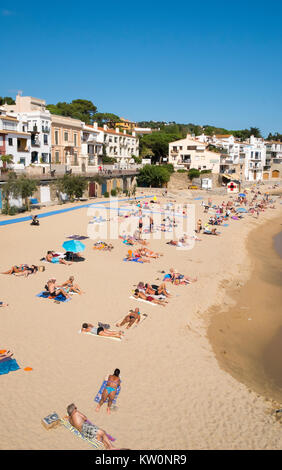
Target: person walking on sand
column 110, row 390
column 88, row 430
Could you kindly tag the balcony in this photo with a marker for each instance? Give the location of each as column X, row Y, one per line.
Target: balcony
column 46, row 130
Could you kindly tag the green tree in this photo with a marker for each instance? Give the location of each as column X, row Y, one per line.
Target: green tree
column 153, row 175
column 6, row 159
column 157, row 142
column 27, row 187
column 10, row 189
column 72, row 185
column 193, row 173
column 105, row 118
column 6, row 100
column 78, row 109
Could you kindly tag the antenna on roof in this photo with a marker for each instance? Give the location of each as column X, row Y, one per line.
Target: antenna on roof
column 20, row 92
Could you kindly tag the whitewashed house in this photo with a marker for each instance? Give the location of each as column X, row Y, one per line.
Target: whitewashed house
column 190, row 153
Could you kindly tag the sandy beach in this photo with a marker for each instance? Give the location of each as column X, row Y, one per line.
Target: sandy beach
column 177, row 391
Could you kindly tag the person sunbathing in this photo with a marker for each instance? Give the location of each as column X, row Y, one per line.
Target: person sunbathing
column 140, row 295
column 148, row 253
column 132, row 317
column 100, row 331
column 52, row 258
column 6, row 355
column 136, row 256
column 3, row 304
column 22, row 270
column 110, row 391
column 177, row 278
column 69, row 286
column 154, row 289
column 55, row 290
column 88, row 430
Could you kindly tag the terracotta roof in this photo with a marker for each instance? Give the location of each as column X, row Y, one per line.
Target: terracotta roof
column 14, row 132
column 110, row 131
column 222, row 136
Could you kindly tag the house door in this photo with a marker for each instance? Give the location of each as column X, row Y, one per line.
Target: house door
column 275, row 174
column 92, row 189
column 255, row 175
column 265, row 176
column 104, row 187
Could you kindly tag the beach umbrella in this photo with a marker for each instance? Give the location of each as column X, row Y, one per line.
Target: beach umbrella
column 241, row 209
column 242, row 195
column 75, row 246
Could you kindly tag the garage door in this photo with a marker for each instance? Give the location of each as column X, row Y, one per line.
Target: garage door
column 275, row 174
column 265, row 176
column 44, row 194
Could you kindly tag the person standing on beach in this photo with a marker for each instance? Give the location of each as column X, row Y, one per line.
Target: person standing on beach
column 151, row 223
column 81, row 423
column 110, row 390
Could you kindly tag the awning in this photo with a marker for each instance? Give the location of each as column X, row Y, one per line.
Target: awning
column 227, row 176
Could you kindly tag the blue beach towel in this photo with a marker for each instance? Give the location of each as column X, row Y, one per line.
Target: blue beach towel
column 8, row 365
column 137, row 260
column 99, row 394
column 46, row 295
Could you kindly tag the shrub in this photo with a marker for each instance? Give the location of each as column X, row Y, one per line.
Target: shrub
column 113, row 192
column 181, row 170
column 106, row 194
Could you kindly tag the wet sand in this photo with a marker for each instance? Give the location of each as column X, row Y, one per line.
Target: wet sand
column 247, row 338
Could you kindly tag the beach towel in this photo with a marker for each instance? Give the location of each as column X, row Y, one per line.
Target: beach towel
column 92, row 442
column 137, row 260
column 8, row 365
column 102, row 388
column 46, row 295
column 77, row 237
column 98, row 336
column 141, row 300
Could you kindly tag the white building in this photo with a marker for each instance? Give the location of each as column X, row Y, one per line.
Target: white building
column 254, row 152
column 33, row 112
column 91, row 146
column 15, row 140
column 119, row 145
column 190, row 153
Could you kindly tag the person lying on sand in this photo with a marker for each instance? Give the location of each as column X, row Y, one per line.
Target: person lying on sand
column 132, row 317
column 139, row 295
column 69, row 286
column 135, row 255
column 80, row 422
column 153, row 289
column 3, row 304
column 55, row 290
column 51, row 258
column 22, row 270
column 6, row 355
column 100, row 331
column 148, row 253
column 110, row 391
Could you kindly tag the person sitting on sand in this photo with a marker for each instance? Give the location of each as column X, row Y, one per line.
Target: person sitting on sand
column 35, row 220
column 55, row 290
column 88, row 430
column 148, row 253
column 6, row 355
column 69, row 286
column 132, row 317
column 177, row 278
column 136, row 256
column 100, row 331
column 51, row 258
column 139, row 295
column 110, row 390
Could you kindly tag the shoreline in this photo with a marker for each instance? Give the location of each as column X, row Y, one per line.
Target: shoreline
column 251, row 328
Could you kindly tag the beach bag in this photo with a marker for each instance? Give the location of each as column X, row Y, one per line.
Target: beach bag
column 104, row 325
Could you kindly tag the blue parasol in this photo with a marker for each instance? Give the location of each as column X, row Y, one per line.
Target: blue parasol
column 241, row 209
column 75, row 246
column 242, row 195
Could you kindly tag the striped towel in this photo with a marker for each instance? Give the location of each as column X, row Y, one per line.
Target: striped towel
column 93, row 442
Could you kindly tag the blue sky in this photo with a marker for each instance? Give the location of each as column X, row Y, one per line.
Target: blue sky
column 209, row 62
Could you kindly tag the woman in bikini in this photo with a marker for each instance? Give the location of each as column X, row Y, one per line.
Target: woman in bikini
column 100, row 331
column 110, row 390
column 22, row 270
column 132, row 317
column 139, row 295
column 69, row 286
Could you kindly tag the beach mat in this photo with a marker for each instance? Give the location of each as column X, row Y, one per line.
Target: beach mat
column 98, row 336
column 136, row 260
column 141, row 300
column 93, row 442
column 46, row 295
column 102, row 388
column 8, row 365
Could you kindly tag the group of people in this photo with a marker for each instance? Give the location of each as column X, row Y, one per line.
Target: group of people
column 65, row 289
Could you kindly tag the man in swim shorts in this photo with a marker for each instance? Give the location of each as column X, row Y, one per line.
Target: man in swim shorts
column 110, row 391
column 88, row 430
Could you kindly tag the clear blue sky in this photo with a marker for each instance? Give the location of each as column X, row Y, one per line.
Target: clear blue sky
column 208, row 62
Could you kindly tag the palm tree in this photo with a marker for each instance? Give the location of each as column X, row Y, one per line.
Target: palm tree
column 6, row 159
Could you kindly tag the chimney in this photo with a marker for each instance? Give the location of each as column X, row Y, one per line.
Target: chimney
column 117, row 130
column 105, row 127
column 95, row 125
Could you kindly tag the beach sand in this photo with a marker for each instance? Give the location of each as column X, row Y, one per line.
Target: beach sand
column 175, row 394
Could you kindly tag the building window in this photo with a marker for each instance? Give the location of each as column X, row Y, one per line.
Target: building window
column 10, row 142
column 66, row 136
column 45, row 136
column 57, row 157
column 75, row 158
column 56, row 137
column 22, row 161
